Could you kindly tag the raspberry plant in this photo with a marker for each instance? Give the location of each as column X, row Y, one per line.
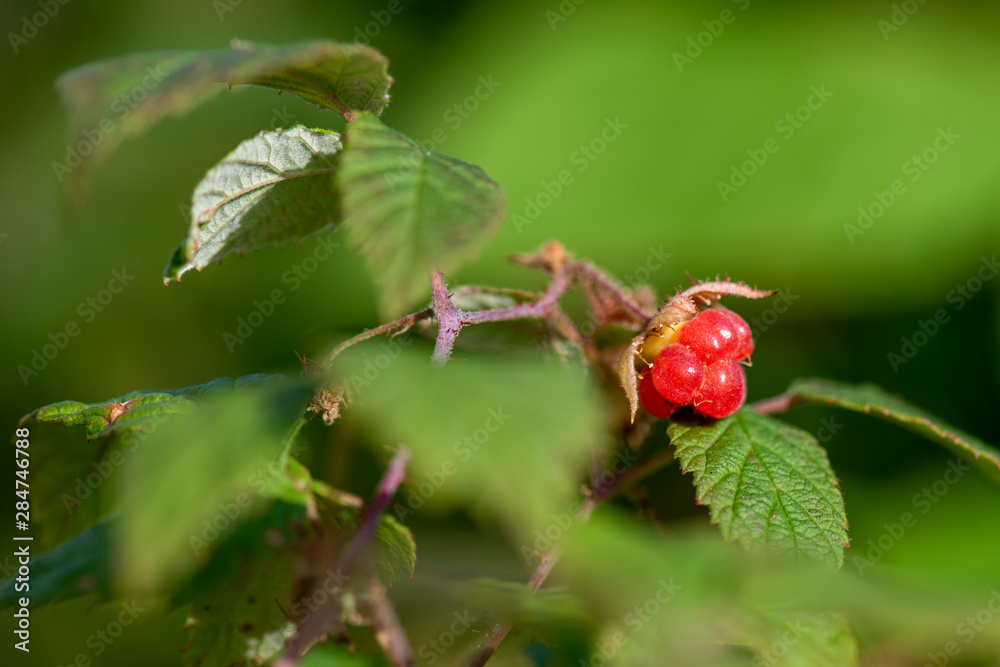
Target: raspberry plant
column 217, row 508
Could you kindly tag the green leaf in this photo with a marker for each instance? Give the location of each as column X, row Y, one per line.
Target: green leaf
column 508, row 437
column 77, row 567
column 332, row 655
column 408, row 210
column 768, row 485
column 74, row 479
column 274, row 188
column 138, row 410
column 242, row 621
column 795, row 638
column 112, row 100
column 873, row 400
column 196, row 477
column 395, row 551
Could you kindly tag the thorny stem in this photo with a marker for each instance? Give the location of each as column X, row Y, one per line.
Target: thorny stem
column 389, row 631
column 400, row 326
column 549, row 560
column 368, row 524
column 317, row 625
column 564, row 325
column 451, row 319
column 595, row 497
column 593, row 274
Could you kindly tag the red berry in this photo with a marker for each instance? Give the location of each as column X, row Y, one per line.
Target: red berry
column 651, row 400
column 711, row 336
column 744, row 337
column 677, row 373
column 723, row 391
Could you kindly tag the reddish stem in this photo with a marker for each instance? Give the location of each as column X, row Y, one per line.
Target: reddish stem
column 549, row 559
column 318, row 624
column 614, row 288
column 451, row 319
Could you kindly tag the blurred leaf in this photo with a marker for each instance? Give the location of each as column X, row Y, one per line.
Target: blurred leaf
column 196, row 477
column 282, row 525
column 135, row 411
column 555, row 618
column 138, row 410
column 795, row 638
column 222, row 386
column 408, row 210
column 295, row 484
column 769, row 485
column 111, row 100
column 511, row 436
column 395, row 551
column 613, row 564
column 873, row 400
column 663, row 595
column 242, row 621
column 274, row 188
column 71, row 485
column 330, row 655
column 77, row 567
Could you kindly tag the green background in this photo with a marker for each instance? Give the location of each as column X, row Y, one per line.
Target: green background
column 655, row 186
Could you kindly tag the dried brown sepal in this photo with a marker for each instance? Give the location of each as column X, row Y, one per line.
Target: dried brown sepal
column 551, row 257
column 629, row 378
column 706, row 294
column 680, row 308
column 327, row 399
column 326, row 402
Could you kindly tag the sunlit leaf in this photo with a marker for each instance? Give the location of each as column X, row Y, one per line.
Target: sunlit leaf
column 408, row 210
column 875, row 401
column 81, row 565
column 768, row 485
column 111, row 100
column 511, row 437
column 242, row 621
column 197, row 477
column 77, row 470
column 274, row 188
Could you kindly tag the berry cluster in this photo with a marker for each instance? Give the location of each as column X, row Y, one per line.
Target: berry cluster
column 699, row 366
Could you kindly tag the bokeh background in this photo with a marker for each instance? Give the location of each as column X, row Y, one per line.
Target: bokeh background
column 564, row 72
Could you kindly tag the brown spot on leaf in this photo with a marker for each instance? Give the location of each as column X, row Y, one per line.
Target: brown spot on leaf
column 116, row 410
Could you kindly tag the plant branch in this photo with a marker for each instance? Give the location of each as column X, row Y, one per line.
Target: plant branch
column 451, row 319
column 498, row 633
column 615, row 289
column 316, row 626
column 626, row 479
column 400, row 326
column 595, row 496
column 389, row 632
column 367, row 526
